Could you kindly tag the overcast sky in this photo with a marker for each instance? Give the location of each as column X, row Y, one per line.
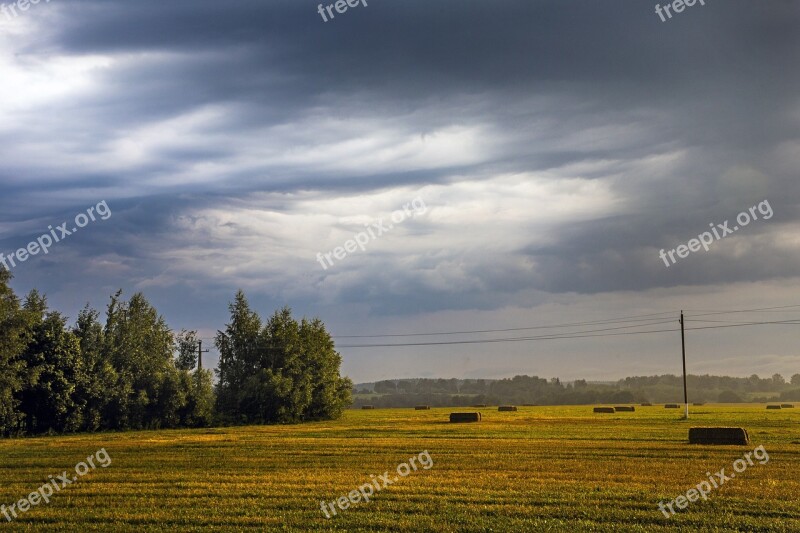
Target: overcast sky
column 557, row 146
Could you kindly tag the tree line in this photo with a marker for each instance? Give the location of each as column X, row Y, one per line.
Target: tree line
column 540, row 391
column 132, row 372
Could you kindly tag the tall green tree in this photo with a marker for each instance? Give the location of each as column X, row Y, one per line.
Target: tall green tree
column 97, row 387
column 331, row 394
column 140, row 345
column 286, row 360
column 239, row 349
column 54, row 367
column 13, row 340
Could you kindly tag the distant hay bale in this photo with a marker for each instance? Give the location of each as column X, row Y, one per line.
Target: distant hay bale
column 698, row 404
column 465, row 417
column 604, row 410
column 422, row 407
column 530, row 405
column 625, row 408
column 368, row 407
column 787, row 406
column 773, row 407
column 672, row 406
column 647, row 404
column 507, row 408
column 718, row 435
column 479, row 405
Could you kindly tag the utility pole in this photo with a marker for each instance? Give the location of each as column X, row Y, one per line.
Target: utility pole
column 683, row 350
column 200, row 352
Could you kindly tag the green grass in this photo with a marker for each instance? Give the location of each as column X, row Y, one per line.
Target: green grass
column 538, row 469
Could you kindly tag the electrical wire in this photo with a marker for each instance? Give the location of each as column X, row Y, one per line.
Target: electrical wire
column 574, row 335
column 635, row 318
column 769, row 309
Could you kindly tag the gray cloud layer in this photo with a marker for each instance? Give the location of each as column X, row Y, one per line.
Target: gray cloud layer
column 558, row 145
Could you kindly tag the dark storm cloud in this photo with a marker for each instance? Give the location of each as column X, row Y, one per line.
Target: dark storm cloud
column 556, row 84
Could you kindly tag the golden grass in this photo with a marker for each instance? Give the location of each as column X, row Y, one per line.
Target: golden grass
column 539, row 469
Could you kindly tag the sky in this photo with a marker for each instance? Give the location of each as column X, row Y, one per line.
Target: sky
column 536, row 155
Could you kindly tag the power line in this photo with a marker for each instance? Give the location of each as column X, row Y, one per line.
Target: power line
column 625, row 319
column 795, row 322
column 771, row 309
column 635, row 318
column 489, row 341
column 574, row 335
column 736, row 321
column 567, row 335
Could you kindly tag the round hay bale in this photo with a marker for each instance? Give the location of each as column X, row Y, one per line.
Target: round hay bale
column 368, row 407
column 647, row 404
column 625, row 408
column 671, row 406
column 773, row 407
column 507, row 408
column 787, row 406
column 465, row 417
column 718, row 435
column 604, row 410
column 422, row 408
column 478, row 405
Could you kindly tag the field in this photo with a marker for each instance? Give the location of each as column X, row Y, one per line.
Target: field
column 538, row 469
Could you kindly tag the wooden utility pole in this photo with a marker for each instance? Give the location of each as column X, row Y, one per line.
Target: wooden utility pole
column 683, row 350
column 200, row 353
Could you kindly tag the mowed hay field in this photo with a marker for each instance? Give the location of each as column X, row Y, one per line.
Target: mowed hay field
column 537, row 469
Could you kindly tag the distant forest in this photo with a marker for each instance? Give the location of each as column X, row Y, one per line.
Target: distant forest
column 521, row 390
